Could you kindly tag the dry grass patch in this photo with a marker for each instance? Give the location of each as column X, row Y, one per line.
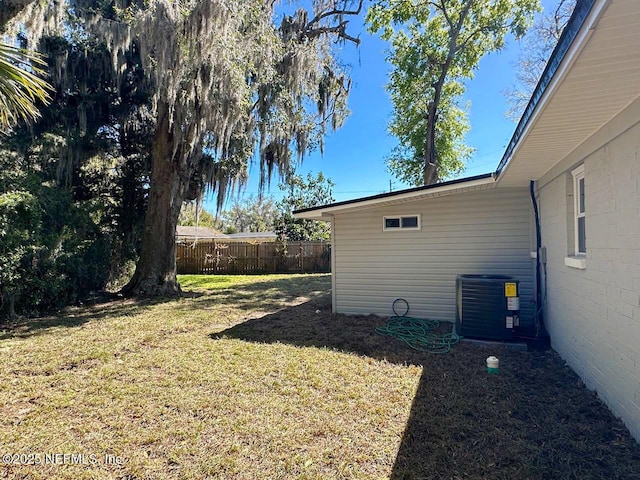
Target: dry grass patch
column 148, row 383
column 242, row 379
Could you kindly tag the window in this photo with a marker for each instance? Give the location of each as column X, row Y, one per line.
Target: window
column 404, row 222
column 390, row 223
column 579, row 211
column 409, row 222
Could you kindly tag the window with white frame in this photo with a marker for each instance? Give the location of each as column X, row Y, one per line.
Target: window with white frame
column 579, row 211
column 401, row 222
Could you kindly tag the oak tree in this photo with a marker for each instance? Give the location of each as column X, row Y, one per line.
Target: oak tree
column 226, row 81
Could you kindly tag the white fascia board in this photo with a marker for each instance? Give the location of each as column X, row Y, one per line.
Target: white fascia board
column 320, row 216
column 569, row 59
column 326, row 213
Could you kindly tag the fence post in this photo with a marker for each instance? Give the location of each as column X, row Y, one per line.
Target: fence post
column 257, row 269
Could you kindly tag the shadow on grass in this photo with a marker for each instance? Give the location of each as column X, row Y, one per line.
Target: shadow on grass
column 269, row 294
column 535, row 420
column 106, row 306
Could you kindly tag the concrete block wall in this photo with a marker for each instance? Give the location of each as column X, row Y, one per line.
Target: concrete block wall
column 593, row 314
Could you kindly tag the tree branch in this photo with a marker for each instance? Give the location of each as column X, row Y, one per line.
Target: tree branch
column 470, row 37
column 336, row 11
column 340, row 29
column 463, row 16
column 443, row 9
column 480, row 30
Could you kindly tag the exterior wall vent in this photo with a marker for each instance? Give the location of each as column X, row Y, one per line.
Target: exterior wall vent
column 488, row 306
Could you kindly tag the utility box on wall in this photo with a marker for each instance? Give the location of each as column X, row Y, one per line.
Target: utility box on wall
column 488, row 306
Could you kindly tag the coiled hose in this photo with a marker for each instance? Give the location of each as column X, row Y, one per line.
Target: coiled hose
column 417, row 333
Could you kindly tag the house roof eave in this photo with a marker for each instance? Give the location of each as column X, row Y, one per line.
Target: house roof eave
column 325, row 212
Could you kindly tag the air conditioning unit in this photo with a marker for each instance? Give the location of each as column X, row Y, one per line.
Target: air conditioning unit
column 488, row 306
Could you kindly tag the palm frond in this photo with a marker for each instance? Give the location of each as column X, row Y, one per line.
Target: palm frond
column 20, row 85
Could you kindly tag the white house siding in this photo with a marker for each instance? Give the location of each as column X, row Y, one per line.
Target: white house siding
column 593, row 315
column 484, row 232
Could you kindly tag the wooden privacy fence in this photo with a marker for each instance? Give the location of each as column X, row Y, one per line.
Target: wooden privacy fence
column 216, row 257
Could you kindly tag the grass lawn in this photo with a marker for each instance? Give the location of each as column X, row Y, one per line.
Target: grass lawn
column 242, row 379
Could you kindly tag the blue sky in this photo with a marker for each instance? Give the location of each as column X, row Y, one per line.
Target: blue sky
column 354, row 155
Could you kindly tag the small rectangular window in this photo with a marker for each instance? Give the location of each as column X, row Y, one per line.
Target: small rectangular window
column 391, row 223
column 579, row 211
column 404, row 222
column 409, row 222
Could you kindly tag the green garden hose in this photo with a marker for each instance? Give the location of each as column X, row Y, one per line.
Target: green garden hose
column 418, row 334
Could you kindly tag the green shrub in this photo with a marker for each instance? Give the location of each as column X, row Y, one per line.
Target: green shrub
column 52, row 252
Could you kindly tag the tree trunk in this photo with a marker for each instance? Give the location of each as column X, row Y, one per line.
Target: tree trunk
column 12, row 306
column 10, row 300
column 430, row 154
column 155, row 273
column 430, row 159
